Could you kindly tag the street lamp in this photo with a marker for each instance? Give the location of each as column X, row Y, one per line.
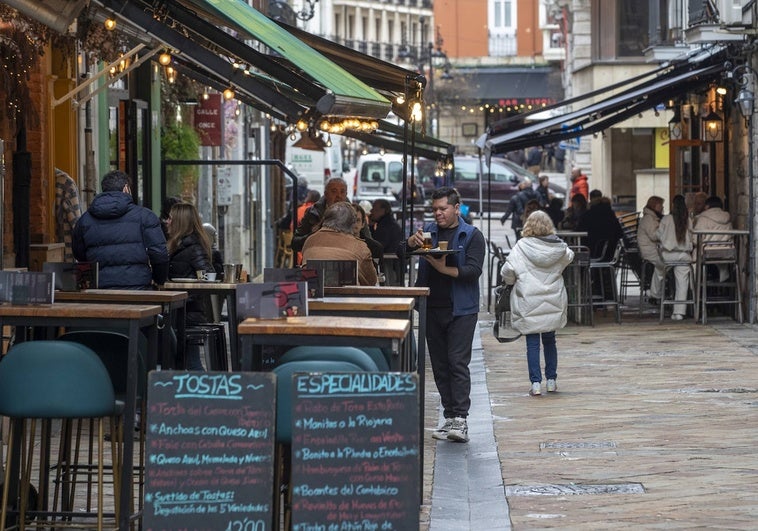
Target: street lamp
column 434, row 52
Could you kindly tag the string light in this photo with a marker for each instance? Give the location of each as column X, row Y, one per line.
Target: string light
column 164, row 58
column 228, row 93
column 110, row 23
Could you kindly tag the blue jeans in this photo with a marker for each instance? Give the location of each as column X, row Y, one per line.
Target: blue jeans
column 533, row 356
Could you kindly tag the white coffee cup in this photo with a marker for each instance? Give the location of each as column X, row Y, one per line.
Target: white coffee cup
column 210, row 276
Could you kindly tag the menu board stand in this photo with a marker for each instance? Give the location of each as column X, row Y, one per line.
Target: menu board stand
column 355, row 451
column 210, row 451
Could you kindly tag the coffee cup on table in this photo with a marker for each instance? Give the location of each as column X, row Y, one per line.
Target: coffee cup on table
column 210, row 276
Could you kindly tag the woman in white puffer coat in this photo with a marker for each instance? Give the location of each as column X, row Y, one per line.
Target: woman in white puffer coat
column 538, row 300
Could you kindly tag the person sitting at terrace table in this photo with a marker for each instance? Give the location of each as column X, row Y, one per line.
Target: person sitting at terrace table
column 335, row 240
column 603, row 229
column 675, row 235
column 363, row 232
column 335, row 190
column 714, row 217
column 647, row 242
column 574, row 213
column 190, row 251
column 386, row 230
column 125, row 239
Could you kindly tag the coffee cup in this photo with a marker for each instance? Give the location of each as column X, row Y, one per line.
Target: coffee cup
column 210, row 276
column 442, row 245
column 427, row 237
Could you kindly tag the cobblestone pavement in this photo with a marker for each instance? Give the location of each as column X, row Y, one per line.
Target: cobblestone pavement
column 653, row 427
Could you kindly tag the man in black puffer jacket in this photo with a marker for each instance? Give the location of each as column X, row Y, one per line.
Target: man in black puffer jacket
column 124, row 238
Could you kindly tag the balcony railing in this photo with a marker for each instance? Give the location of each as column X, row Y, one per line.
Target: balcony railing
column 502, row 45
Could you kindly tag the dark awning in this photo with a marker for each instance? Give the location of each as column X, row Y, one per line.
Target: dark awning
column 599, row 116
column 396, row 138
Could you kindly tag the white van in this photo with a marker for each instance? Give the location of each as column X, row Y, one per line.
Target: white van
column 379, row 176
column 316, row 166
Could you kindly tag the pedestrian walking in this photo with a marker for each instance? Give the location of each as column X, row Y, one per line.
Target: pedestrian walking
column 538, row 301
column 452, row 307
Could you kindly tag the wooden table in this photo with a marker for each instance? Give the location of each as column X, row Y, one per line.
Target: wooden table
column 374, row 307
column 173, row 305
column 319, row 330
column 134, row 317
column 735, row 237
column 229, row 291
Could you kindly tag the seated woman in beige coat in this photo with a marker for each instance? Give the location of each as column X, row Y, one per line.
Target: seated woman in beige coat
column 335, row 240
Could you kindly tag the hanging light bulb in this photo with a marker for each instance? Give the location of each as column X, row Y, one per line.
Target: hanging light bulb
column 164, row 58
column 328, row 140
column 229, row 93
column 110, row 23
column 205, row 94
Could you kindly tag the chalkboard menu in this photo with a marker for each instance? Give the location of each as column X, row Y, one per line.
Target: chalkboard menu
column 209, row 462
column 355, row 451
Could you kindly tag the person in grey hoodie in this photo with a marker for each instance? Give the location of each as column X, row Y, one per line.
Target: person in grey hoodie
column 714, row 217
column 538, row 301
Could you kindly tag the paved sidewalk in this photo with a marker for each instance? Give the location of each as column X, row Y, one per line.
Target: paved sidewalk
column 653, row 427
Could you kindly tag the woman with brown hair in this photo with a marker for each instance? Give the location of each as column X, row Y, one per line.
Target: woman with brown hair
column 189, row 250
column 675, row 237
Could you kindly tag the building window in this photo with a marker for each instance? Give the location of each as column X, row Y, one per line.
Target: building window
column 502, row 41
column 627, row 37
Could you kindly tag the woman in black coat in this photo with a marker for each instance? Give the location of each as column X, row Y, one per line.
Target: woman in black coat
column 189, row 251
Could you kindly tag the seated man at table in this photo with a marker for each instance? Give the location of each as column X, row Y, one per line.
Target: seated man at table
column 124, row 238
column 335, row 190
column 714, row 217
column 335, row 240
column 386, row 230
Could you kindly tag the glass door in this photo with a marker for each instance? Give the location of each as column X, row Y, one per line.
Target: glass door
column 690, row 169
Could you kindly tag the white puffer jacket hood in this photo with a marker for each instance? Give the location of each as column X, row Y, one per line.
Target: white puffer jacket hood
column 535, row 267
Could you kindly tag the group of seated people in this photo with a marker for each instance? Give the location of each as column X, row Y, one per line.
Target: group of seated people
column 334, row 229
column 668, row 238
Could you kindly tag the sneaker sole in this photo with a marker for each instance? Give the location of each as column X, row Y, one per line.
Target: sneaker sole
column 439, row 436
column 532, row 393
column 457, row 437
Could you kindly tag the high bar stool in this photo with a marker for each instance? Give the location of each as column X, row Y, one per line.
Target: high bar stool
column 608, row 267
column 211, row 338
column 669, row 266
column 719, row 254
column 50, row 380
column 578, row 283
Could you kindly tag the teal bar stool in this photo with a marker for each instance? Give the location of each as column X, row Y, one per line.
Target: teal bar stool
column 50, row 380
column 113, row 350
column 372, row 360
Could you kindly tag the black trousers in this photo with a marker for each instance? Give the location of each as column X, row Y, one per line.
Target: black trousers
column 449, row 340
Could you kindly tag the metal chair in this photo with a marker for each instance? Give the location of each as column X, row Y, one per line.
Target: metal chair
column 719, row 254
column 51, row 380
column 607, row 267
column 579, row 285
column 668, row 266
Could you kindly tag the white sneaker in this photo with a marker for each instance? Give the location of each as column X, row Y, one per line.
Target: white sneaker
column 551, row 386
column 535, row 390
column 441, row 433
column 677, row 317
column 458, row 430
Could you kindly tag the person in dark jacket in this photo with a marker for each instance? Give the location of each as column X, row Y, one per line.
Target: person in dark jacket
column 516, row 206
column 335, row 191
column 189, row 252
column 124, row 238
column 387, row 231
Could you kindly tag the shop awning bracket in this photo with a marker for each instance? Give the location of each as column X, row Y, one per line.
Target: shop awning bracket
column 105, row 71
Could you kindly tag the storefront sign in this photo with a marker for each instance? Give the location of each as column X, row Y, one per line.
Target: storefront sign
column 208, row 116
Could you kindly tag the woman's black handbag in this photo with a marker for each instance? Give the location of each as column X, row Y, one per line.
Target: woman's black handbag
column 503, row 328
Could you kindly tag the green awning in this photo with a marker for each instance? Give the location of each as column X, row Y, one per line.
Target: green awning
column 350, row 96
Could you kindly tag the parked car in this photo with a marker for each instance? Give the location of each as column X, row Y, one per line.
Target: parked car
column 504, row 176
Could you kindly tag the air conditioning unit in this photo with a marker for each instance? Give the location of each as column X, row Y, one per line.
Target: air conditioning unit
column 730, row 12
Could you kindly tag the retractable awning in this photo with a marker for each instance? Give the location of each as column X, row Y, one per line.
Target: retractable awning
column 194, row 28
column 671, row 81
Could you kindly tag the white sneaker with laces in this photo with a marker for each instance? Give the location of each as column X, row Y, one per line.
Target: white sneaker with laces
column 551, row 386
column 458, row 430
column 441, row 433
column 535, row 390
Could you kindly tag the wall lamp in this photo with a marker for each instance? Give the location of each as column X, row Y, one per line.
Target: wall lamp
column 744, row 76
